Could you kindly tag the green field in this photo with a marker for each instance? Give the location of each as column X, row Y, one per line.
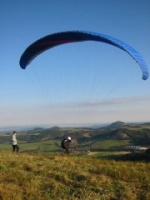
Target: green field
column 55, row 146
column 43, row 146
column 109, row 144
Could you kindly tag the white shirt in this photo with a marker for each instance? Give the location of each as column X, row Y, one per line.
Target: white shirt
column 14, row 140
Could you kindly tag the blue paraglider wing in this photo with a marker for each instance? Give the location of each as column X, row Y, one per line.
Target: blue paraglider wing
column 79, row 36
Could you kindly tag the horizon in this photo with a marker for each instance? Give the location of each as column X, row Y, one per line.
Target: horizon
column 44, row 126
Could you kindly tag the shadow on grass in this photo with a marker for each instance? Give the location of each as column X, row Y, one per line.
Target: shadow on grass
column 134, row 156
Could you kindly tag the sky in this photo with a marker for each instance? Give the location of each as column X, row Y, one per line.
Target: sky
column 77, row 83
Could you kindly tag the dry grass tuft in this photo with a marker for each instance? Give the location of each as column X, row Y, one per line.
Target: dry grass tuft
column 60, row 177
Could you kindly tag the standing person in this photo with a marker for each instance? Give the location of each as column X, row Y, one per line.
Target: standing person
column 65, row 144
column 14, row 142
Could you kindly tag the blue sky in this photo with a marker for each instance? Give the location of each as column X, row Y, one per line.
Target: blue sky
column 78, row 83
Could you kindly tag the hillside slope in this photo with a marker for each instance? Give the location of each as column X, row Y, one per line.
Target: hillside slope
column 60, row 177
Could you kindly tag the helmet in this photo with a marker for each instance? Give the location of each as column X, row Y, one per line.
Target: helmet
column 69, row 138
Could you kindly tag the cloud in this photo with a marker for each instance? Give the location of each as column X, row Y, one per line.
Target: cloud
column 115, row 101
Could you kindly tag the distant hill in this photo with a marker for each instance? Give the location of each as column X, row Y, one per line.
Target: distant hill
column 115, row 125
column 107, row 137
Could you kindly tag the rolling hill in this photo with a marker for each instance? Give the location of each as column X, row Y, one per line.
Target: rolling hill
column 109, row 137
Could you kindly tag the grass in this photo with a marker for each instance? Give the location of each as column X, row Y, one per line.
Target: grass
column 55, row 145
column 108, row 144
column 42, row 146
column 46, row 176
column 104, row 154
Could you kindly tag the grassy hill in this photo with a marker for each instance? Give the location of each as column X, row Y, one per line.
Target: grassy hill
column 49, row 176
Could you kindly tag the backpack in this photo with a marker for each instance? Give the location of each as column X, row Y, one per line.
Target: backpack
column 62, row 143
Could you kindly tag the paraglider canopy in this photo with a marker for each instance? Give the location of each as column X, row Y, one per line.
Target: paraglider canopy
column 79, row 36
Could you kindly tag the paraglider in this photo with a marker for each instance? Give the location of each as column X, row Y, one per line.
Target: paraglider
column 65, row 144
column 56, row 39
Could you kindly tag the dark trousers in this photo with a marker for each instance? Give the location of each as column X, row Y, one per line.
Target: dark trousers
column 67, row 151
column 15, row 148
